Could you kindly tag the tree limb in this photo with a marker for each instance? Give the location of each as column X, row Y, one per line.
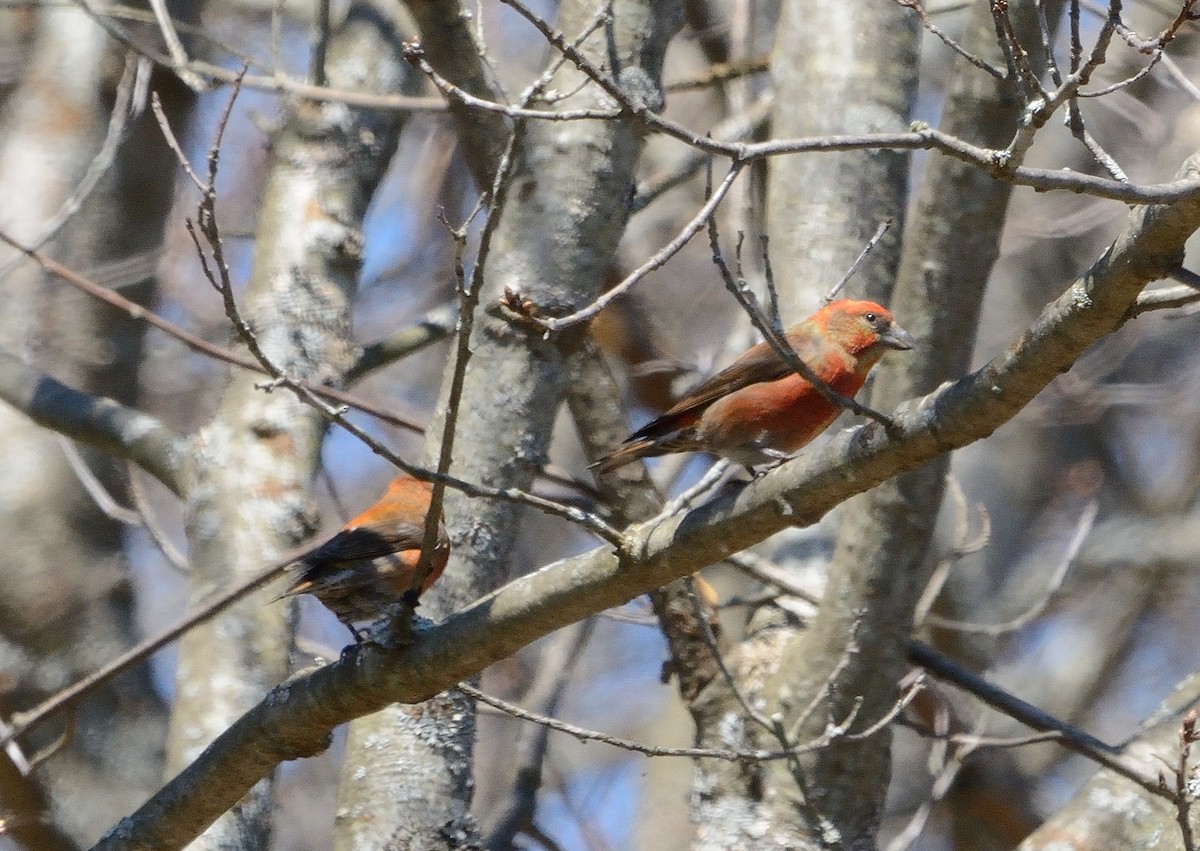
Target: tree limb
column 95, row 420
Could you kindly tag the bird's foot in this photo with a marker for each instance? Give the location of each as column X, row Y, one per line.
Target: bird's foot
column 397, row 628
column 361, row 637
column 774, row 459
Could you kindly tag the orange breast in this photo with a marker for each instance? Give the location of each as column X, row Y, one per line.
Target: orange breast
column 784, row 414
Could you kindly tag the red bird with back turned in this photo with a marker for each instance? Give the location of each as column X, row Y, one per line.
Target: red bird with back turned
column 371, row 563
column 758, row 410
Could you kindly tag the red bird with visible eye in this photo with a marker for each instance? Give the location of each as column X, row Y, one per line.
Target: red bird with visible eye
column 758, row 410
column 371, row 563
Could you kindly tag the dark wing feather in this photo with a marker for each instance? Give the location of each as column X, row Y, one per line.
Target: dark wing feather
column 361, row 542
column 759, row 364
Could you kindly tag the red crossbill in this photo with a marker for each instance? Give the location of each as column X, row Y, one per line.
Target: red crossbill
column 758, row 410
column 371, row 563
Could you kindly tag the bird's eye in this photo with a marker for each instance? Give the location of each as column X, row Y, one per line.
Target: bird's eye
column 871, row 317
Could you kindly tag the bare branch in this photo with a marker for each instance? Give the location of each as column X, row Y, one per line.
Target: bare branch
column 1184, row 796
column 1167, row 298
column 585, row 735
column 98, row 421
column 1072, row 738
column 22, row 722
column 656, row 261
column 1082, row 528
column 272, row 82
column 197, row 343
column 99, row 166
column 436, row 325
column 1002, row 165
column 178, row 55
column 149, row 522
column 919, row 9
column 721, row 72
column 858, row 261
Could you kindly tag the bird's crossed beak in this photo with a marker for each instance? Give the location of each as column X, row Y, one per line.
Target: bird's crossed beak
column 896, row 337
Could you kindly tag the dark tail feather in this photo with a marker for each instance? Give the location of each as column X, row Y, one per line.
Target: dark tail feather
column 646, row 447
column 626, row 454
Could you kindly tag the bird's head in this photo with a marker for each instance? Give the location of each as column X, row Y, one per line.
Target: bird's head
column 862, row 328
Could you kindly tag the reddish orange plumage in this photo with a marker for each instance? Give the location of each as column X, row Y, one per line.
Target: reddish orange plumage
column 371, row 563
column 758, row 410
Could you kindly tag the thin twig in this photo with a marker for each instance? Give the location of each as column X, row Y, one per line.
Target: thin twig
column 150, row 524
column 547, row 691
column 733, row 128
column 140, row 516
column 721, row 72
column 1145, row 45
column 1137, row 77
column 23, row 722
column 273, row 82
column 416, row 56
column 1179, row 78
column 977, row 742
column 656, row 261
column 918, row 8
column 573, row 514
column 941, row 785
column 118, row 122
column 1188, row 736
column 1022, row 72
column 1076, row 36
column 1166, row 298
column 585, row 735
column 770, row 573
column 825, row 691
column 1073, row 738
column 14, row 752
column 436, row 325
column 1003, row 165
column 468, row 301
column 963, row 546
column 995, row 163
column 70, row 728
column 1086, row 520
column 469, row 293
column 194, row 342
column 172, row 142
column 199, row 344
column 711, row 478
column 94, row 488
column 710, row 639
column 908, row 693
column 858, row 261
column 1074, row 118
column 178, row 55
